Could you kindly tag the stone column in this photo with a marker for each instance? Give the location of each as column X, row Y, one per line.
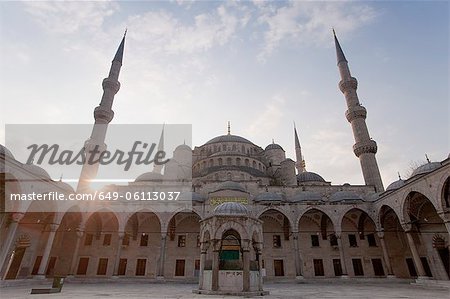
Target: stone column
column 416, row 258
column 203, row 252
column 47, row 250
column 162, row 256
column 118, row 251
column 447, row 226
column 297, row 258
column 215, row 269
column 258, row 250
column 342, row 256
column 385, row 254
column 73, row 266
column 16, row 217
column 246, row 269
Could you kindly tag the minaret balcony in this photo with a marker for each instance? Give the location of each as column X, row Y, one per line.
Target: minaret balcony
column 364, row 147
column 109, row 84
column 348, row 84
column 103, row 114
column 355, row 112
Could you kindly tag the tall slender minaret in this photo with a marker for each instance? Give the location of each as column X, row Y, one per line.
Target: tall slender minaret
column 157, row 168
column 103, row 115
column 364, row 148
column 300, row 161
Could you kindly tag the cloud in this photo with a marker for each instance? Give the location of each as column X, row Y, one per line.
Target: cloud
column 70, row 17
column 268, row 119
column 309, row 22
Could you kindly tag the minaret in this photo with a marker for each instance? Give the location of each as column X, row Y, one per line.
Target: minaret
column 157, row 168
column 364, row 148
column 103, row 115
column 300, row 162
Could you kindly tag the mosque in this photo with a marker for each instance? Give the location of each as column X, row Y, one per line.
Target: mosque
column 256, row 215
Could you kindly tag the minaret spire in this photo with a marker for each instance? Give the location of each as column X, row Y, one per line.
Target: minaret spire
column 300, row 162
column 157, row 168
column 103, row 115
column 364, row 148
column 229, row 128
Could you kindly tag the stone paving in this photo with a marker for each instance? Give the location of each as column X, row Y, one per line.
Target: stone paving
column 277, row 290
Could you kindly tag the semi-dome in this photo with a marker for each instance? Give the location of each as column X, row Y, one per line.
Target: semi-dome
column 230, row 185
column 306, row 196
column 149, row 176
column 345, row 196
column 229, row 138
column 5, row 152
column 273, row 146
column 231, row 209
column 426, row 168
column 309, row 176
column 396, row 185
column 269, row 197
column 37, row 171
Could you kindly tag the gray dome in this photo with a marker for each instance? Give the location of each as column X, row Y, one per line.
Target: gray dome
column 395, row 185
column 426, row 168
column 149, row 176
column 269, row 197
column 230, row 185
column 274, row 146
column 229, row 138
column 231, row 209
column 6, row 152
column 308, row 176
column 345, row 196
column 37, row 171
column 306, row 196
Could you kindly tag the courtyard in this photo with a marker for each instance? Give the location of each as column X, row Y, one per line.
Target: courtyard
column 324, row 289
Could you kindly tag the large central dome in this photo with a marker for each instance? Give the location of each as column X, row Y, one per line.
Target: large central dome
column 229, row 138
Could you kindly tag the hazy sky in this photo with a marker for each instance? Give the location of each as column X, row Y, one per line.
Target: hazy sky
column 260, row 65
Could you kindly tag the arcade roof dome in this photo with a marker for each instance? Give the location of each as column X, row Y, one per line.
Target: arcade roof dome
column 274, row 146
column 426, row 168
column 395, row 185
column 37, row 171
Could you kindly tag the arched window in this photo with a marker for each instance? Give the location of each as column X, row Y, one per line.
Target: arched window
column 254, row 164
column 229, row 161
column 247, row 162
column 238, row 161
column 211, row 163
column 220, row 162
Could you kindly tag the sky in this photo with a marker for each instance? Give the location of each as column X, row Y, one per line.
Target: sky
column 260, row 65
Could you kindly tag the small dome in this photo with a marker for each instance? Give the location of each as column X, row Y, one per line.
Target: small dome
column 396, row 185
column 274, row 146
column 345, row 196
column 308, row 176
column 149, row 176
column 306, row 196
column 426, row 168
column 37, row 171
column 6, row 152
column 269, row 197
column 229, row 138
column 231, row 209
column 230, row 185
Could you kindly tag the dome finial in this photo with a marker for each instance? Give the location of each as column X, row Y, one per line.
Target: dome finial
column 399, row 176
column 229, row 128
column 428, row 160
column 273, row 141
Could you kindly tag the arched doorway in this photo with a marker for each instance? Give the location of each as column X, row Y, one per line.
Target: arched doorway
column 317, row 240
column 427, row 227
column 278, row 245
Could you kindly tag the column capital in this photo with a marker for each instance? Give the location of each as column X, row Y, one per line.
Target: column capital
column 53, row 227
column 121, row 235
column 380, row 234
